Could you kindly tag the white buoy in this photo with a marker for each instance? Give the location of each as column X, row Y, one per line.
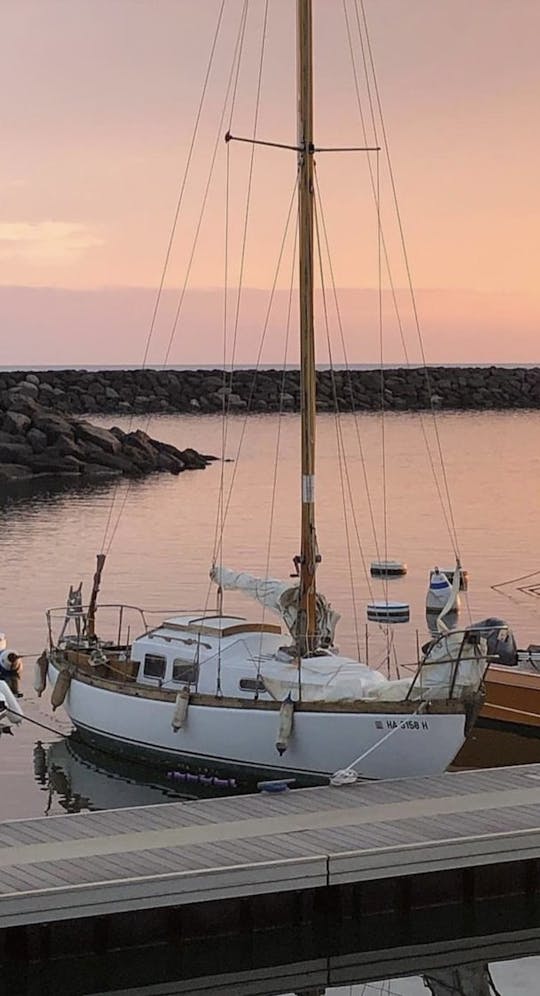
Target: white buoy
column 439, row 592
column 388, row 612
column 286, row 717
column 387, row 568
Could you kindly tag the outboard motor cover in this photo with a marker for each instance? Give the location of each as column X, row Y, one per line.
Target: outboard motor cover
column 500, row 640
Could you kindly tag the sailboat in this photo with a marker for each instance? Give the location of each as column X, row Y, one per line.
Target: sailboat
column 258, row 698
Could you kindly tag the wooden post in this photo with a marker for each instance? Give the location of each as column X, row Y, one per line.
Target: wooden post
column 91, row 617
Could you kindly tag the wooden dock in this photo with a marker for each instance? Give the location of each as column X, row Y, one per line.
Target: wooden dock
column 87, row 865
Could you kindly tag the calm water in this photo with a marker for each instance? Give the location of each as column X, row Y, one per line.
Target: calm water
column 164, row 533
column 163, row 546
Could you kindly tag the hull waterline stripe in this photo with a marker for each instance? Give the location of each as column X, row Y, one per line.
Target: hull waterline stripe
column 170, row 752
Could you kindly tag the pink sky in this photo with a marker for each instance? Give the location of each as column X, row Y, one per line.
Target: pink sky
column 99, row 103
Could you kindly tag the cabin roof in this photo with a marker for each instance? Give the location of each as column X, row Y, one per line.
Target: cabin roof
column 218, row 626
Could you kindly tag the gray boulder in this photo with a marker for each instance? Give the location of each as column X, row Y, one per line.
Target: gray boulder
column 21, row 403
column 102, row 438
column 13, row 472
column 53, row 425
column 66, row 446
column 98, row 470
column 27, row 388
column 7, row 437
column 37, row 439
column 166, row 461
column 15, row 453
column 117, row 461
column 55, row 464
column 16, row 422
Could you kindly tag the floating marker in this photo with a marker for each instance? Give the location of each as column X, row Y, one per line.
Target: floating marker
column 439, row 592
column 388, row 612
column 387, row 568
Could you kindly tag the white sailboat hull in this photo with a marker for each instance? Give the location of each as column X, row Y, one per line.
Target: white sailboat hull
column 244, row 738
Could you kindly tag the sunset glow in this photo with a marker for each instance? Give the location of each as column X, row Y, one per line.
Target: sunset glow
column 100, row 100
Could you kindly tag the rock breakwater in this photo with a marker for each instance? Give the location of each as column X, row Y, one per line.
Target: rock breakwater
column 35, row 441
column 201, row 391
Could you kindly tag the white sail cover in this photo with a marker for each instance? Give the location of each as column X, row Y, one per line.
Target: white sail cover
column 466, row 651
column 453, row 666
column 324, row 679
column 280, row 597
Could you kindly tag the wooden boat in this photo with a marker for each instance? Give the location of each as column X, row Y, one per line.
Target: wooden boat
column 513, row 695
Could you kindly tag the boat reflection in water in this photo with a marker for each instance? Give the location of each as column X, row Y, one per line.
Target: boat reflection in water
column 80, row 778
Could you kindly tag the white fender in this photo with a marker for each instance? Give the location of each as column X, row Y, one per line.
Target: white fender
column 286, row 716
column 15, row 713
column 180, row 709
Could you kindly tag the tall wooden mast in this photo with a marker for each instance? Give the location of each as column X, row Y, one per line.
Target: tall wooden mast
column 307, row 638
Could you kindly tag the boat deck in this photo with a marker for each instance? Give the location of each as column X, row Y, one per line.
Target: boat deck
column 65, row 867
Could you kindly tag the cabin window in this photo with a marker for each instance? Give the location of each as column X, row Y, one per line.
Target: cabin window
column 185, row 671
column 154, row 666
column 252, row 685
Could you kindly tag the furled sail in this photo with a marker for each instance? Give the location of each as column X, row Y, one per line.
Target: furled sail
column 280, row 597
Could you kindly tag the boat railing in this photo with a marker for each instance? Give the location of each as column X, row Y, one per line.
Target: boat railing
column 456, row 660
column 71, row 622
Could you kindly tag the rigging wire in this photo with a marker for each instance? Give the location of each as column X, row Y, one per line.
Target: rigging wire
column 347, row 369
column 250, row 183
column 448, row 519
column 219, row 134
column 258, row 359
column 228, row 381
column 219, row 512
column 167, row 257
column 337, row 422
column 278, row 434
column 452, row 524
column 236, row 56
column 367, row 574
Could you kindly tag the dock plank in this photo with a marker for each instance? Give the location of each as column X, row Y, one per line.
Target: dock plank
column 52, row 868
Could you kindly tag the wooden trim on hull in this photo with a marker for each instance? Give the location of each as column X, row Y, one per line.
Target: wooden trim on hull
column 132, row 688
column 512, row 697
